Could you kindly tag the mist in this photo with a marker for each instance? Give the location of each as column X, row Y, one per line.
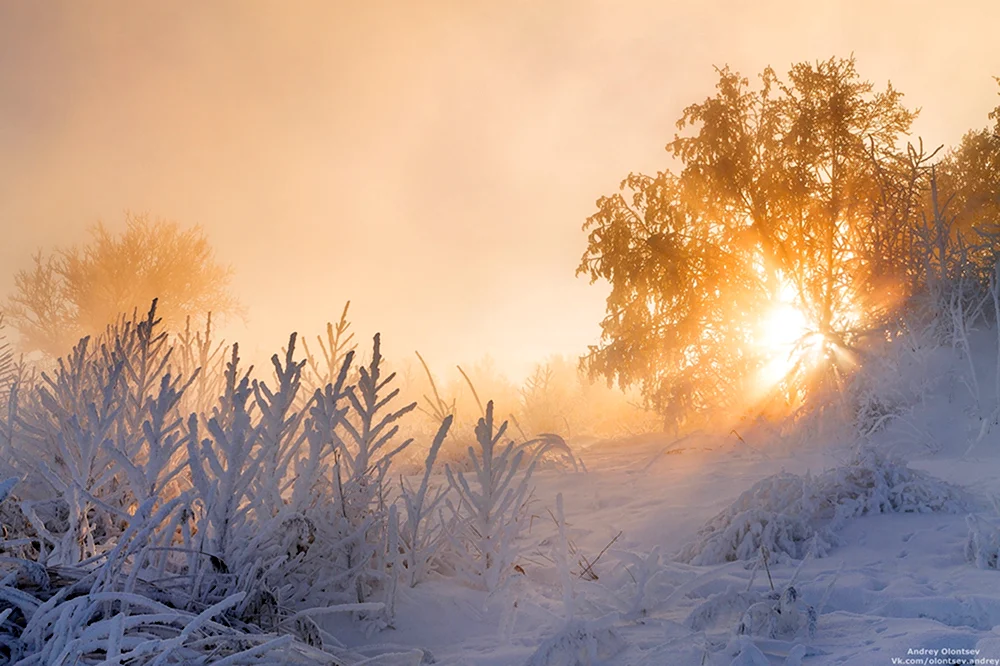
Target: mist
column 768, row 432
column 431, row 162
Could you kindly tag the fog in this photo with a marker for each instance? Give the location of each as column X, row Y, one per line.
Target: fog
column 431, row 162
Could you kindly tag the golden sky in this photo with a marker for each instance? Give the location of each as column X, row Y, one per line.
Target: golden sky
column 431, row 161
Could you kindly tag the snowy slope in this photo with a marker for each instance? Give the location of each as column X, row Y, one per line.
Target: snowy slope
column 865, row 533
column 894, row 586
column 899, row 581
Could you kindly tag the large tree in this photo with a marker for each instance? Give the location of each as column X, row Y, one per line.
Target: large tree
column 80, row 290
column 772, row 206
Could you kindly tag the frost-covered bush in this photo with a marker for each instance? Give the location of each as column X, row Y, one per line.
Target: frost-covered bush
column 166, row 505
column 225, row 466
column 295, row 510
column 82, row 433
column 778, row 511
column 792, row 515
column 150, row 533
column 489, row 503
column 422, row 533
column 580, row 643
column 898, row 375
column 637, row 585
column 557, row 397
column 113, row 611
column 779, row 615
column 359, row 427
column 8, row 366
column 199, row 355
column 982, row 548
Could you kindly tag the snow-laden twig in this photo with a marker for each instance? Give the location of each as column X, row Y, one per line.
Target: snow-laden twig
column 489, row 506
column 421, row 536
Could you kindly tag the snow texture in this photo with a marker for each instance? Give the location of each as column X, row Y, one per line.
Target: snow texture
column 794, row 515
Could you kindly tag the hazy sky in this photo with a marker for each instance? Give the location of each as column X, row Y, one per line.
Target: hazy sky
column 431, row 161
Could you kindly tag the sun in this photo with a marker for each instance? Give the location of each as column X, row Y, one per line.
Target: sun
column 785, row 339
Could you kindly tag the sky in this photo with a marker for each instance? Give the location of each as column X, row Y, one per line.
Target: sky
column 433, row 162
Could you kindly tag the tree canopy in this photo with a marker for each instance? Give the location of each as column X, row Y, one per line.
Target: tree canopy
column 972, row 174
column 80, row 290
column 794, row 206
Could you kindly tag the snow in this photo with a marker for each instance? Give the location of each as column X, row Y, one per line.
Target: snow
column 864, row 535
column 896, row 558
column 899, row 580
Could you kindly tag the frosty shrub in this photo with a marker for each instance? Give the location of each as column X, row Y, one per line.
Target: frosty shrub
column 982, row 548
column 334, row 347
column 83, row 432
column 578, row 642
column 366, row 444
column 779, row 615
column 8, row 366
column 792, row 515
column 581, row 643
column 422, row 535
column 489, row 505
column 225, row 466
column 156, row 527
column 899, row 374
column 775, row 613
column 637, row 584
column 198, row 354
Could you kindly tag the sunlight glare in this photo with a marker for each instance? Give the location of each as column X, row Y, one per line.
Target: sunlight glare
column 783, row 328
column 785, row 338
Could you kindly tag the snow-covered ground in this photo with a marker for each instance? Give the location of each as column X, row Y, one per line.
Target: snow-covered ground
column 887, row 578
column 897, row 586
column 865, row 533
